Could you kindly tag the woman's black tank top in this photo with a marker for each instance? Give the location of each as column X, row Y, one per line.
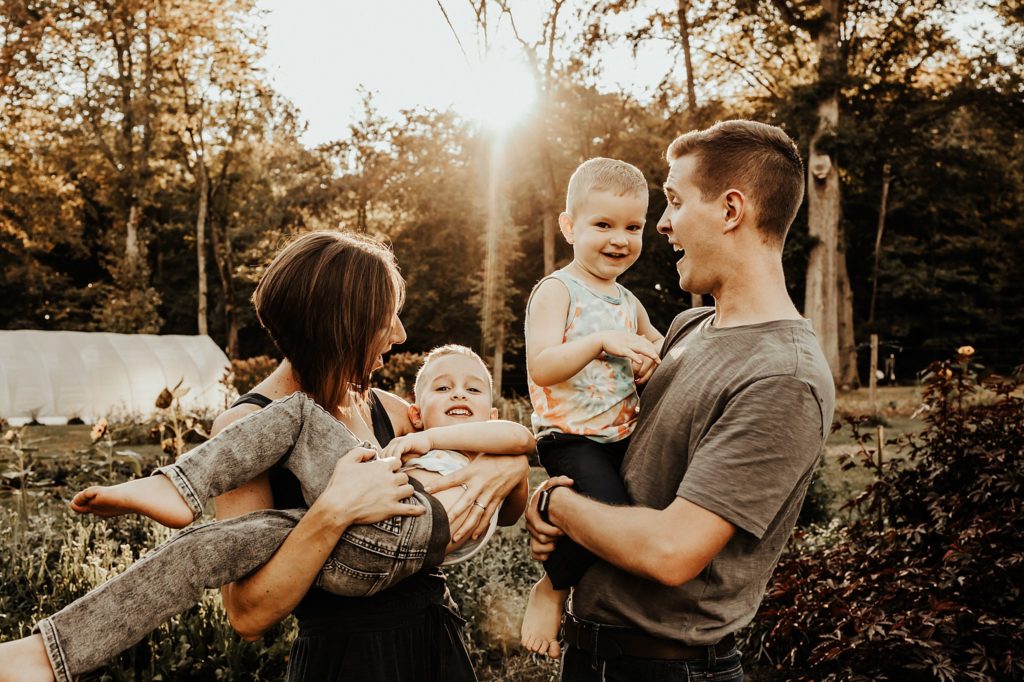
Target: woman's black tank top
column 318, row 606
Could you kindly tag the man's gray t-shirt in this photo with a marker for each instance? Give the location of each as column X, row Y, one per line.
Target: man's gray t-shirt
column 733, row 420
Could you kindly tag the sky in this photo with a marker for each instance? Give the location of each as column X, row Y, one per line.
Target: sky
column 320, row 51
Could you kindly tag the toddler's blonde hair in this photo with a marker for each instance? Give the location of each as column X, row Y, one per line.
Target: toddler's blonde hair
column 601, row 174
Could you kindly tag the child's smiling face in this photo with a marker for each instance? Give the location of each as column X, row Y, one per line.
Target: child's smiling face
column 453, row 389
column 606, row 232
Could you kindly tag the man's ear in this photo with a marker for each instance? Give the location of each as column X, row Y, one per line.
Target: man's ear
column 494, row 413
column 734, row 206
column 565, row 225
column 415, row 418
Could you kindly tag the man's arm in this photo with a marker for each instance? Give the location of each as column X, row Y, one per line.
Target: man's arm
column 670, row 546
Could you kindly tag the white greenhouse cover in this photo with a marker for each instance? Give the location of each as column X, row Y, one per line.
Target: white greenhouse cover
column 53, row 376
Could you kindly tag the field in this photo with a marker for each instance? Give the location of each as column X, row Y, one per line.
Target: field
column 51, row 555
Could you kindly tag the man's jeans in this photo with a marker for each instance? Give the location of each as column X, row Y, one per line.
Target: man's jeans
column 303, row 438
column 581, row 666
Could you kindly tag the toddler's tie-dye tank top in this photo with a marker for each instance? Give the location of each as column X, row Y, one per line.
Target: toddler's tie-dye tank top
column 600, row 401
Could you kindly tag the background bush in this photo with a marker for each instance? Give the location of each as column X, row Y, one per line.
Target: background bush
column 926, row 585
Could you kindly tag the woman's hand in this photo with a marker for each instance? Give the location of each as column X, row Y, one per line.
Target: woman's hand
column 543, row 535
column 487, row 481
column 417, row 443
column 365, row 490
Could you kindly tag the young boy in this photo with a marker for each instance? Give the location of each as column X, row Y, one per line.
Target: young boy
column 453, row 407
column 588, row 343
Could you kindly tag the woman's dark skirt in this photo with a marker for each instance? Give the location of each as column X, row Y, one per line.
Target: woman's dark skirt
column 409, row 633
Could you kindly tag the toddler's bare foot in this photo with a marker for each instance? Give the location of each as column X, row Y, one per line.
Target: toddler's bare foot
column 153, row 496
column 542, row 618
column 24, row 660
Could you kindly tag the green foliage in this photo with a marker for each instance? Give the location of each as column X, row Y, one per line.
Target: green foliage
column 245, row 374
column 398, row 375
column 48, row 565
column 491, row 591
column 927, row 584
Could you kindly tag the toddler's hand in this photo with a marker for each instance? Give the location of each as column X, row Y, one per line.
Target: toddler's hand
column 637, row 349
column 642, row 371
column 417, row 443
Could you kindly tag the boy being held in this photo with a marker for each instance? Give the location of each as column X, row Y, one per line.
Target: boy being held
column 453, row 406
column 588, row 343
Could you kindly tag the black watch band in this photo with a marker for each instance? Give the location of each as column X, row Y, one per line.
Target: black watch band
column 544, row 501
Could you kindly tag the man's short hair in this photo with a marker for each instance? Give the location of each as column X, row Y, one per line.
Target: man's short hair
column 756, row 158
column 450, row 349
column 607, row 175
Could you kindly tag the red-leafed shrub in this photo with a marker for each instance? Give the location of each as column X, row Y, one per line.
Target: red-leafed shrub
column 927, row 584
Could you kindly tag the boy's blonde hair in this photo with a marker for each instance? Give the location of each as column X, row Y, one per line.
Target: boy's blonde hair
column 449, row 349
column 607, row 175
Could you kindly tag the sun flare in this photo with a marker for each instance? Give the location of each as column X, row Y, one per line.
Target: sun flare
column 498, row 93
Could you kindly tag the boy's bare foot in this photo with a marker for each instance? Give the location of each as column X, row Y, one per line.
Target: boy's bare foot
column 24, row 660
column 153, row 496
column 542, row 618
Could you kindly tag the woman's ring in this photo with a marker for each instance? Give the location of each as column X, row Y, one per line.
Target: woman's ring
column 464, row 487
column 476, row 503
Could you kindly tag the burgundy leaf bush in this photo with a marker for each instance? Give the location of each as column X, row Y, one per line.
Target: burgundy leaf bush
column 926, row 584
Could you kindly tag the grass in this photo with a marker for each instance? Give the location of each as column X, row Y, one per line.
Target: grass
column 491, row 589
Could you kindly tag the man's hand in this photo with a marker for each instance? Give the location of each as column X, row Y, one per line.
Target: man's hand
column 543, row 535
column 642, row 371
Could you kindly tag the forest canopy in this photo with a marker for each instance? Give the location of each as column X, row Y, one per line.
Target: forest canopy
column 149, row 170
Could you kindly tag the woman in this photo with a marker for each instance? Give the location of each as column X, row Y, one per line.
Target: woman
column 330, row 303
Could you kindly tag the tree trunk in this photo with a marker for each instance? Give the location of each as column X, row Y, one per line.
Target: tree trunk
column 204, row 199
column 499, row 360
column 886, row 180
column 132, row 254
column 821, row 292
column 848, row 376
column 552, row 208
column 550, row 230
column 221, row 242
column 684, row 37
column 696, row 300
column 821, row 302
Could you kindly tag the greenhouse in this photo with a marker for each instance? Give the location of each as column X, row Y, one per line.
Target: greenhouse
column 54, row 376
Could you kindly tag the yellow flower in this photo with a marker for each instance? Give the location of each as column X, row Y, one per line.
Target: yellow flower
column 99, row 429
column 965, row 351
column 946, row 373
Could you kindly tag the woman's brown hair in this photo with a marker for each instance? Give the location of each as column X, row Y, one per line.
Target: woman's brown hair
column 328, row 300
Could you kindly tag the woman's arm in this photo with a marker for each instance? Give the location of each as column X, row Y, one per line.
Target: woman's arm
column 360, row 491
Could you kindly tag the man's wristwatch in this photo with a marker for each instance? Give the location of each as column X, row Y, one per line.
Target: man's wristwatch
column 544, row 501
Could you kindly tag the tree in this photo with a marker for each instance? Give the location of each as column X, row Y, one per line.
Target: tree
column 215, row 72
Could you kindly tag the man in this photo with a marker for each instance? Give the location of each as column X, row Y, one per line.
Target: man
column 731, row 426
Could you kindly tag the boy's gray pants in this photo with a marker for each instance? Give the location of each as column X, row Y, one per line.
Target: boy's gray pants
column 303, row 438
